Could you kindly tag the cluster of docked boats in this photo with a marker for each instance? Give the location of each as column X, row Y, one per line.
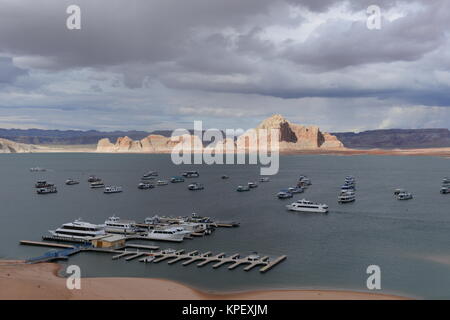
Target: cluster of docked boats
column 154, row 228
column 445, row 188
column 302, row 183
column 348, row 189
column 151, row 175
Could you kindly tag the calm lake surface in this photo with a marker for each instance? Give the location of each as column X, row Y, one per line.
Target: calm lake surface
column 409, row 240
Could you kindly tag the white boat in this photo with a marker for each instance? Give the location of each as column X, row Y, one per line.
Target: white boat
column 398, row 191
column 79, row 230
column 46, row 190
column 346, row 197
column 37, row 169
column 162, row 183
column 307, row 206
column 445, row 190
column 71, row 182
column 404, row 196
column 97, row 184
column 196, row 186
column 252, row 185
column 116, row 225
column 175, row 234
column 191, row 174
column 264, row 179
column 112, row 189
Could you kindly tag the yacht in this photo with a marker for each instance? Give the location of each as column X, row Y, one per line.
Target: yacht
column 97, row 184
column 79, row 230
column 196, row 186
column 176, row 179
column 71, row 182
column 346, row 197
column 162, row 183
column 307, row 206
column 116, row 225
column 191, row 174
column 145, row 186
column 112, row 189
column 94, row 179
column 252, row 185
column 296, row 190
column 404, row 196
column 284, row 194
column 264, row 179
column 47, row 190
column 243, row 188
column 43, row 184
column 175, row 234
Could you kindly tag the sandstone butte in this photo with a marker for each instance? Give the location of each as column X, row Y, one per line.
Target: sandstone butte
column 292, row 138
column 8, row 146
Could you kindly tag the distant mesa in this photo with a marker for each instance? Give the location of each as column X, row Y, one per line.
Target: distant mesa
column 292, row 137
column 8, row 146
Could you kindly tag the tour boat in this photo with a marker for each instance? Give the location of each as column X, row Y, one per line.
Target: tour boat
column 346, row 197
column 284, row 194
column 43, row 184
column 112, row 189
column 195, row 186
column 97, row 184
column 404, row 196
column 47, row 190
column 116, row 225
column 79, row 230
column 145, row 186
column 71, row 182
column 243, row 188
column 175, row 234
column 307, row 206
column 191, row 174
column 252, row 185
column 176, row 179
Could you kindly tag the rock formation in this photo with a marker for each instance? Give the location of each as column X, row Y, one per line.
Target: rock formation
column 291, row 137
column 8, row 146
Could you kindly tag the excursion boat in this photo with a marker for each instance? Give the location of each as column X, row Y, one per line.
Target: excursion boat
column 71, row 182
column 116, row 225
column 404, row 196
column 252, row 185
column 47, row 190
column 346, row 197
column 43, row 184
column 243, row 188
column 162, row 183
column 284, row 194
column 112, row 189
column 177, row 179
column 174, row 234
column 296, row 190
column 196, row 186
column 191, row 174
column 79, row 230
column 264, row 179
column 398, row 191
column 307, row 206
column 445, row 190
column 97, row 184
column 145, row 186
column 94, row 179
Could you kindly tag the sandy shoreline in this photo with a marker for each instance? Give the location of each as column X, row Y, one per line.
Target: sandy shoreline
column 41, row 282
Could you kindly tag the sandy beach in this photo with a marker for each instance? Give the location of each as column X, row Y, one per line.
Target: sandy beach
column 41, row 282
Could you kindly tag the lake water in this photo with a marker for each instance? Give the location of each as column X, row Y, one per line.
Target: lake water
column 409, row 240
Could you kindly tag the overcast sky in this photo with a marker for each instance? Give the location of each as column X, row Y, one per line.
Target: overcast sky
column 161, row 64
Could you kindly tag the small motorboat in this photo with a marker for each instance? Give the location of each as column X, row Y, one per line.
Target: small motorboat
column 242, row 188
column 191, row 174
column 264, row 179
column 398, row 191
column 145, row 186
column 284, row 194
column 445, row 190
column 47, row 190
column 94, row 179
column 404, row 196
column 195, row 186
column 71, row 182
column 148, row 259
column 252, row 185
column 296, row 189
column 162, row 183
column 97, row 184
column 112, row 189
column 224, row 177
column 37, row 169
